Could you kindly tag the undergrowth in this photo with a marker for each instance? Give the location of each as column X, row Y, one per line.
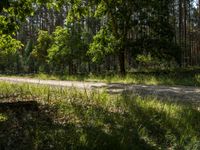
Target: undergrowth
column 43, row 117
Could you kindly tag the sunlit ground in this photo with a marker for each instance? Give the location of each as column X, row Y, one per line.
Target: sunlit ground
column 40, row 117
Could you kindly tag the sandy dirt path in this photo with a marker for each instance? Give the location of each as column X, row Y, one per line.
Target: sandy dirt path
column 181, row 93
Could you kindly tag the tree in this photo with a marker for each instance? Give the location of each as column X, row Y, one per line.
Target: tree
column 128, row 22
column 118, row 14
column 8, row 50
column 104, row 43
column 114, row 32
column 67, row 47
column 40, row 52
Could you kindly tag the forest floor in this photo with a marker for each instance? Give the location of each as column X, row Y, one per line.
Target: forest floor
column 175, row 93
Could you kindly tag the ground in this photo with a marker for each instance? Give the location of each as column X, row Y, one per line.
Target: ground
column 180, row 93
column 49, row 114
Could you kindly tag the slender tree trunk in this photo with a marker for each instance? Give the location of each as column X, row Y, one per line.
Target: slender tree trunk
column 71, row 68
column 199, row 14
column 122, row 62
column 181, row 29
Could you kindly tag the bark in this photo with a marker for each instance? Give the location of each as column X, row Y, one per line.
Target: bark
column 122, row 62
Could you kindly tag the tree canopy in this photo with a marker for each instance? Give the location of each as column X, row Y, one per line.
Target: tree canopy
column 86, row 35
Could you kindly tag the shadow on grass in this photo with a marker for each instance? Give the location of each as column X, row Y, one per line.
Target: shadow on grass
column 166, row 129
column 30, row 125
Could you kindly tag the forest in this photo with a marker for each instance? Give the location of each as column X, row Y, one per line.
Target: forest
column 100, row 74
column 85, row 36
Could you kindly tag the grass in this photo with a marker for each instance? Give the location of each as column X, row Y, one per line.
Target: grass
column 42, row 117
column 186, row 77
column 3, row 118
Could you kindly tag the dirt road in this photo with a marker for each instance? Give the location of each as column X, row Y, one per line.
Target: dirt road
column 181, row 93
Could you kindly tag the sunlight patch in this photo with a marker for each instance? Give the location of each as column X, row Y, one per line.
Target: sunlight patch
column 3, row 118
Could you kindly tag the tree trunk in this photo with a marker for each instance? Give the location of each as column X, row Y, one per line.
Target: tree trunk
column 122, row 62
column 71, row 68
column 199, row 14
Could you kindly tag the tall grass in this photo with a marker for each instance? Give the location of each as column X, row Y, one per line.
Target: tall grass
column 73, row 119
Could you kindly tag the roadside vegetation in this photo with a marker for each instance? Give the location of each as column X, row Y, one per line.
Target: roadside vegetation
column 173, row 77
column 42, row 117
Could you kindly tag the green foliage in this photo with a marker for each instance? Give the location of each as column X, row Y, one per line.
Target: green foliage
column 77, row 10
column 8, row 49
column 13, row 14
column 8, row 45
column 101, row 9
column 158, row 48
column 8, row 25
column 122, row 17
column 28, row 57
column 144, row 58
column 100, row 29
column 3, row 117
column 59, row 52
column 104, row 43
column 68, row 45
column 44, row 42
column 4, row 4
column 40, row 51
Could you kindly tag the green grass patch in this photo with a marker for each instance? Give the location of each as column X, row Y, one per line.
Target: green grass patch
column 3, row 117
column 42, row 117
